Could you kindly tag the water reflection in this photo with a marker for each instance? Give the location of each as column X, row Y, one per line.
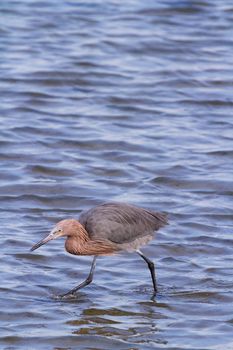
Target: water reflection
column 128, row 326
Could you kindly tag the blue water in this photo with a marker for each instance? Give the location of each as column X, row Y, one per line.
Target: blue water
column 128, row 102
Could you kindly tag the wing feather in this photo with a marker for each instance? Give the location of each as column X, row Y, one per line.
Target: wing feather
column 121, row 223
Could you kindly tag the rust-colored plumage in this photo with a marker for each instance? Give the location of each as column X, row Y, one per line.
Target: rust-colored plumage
column 108, row 229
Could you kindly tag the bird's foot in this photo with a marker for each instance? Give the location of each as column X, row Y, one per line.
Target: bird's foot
column 153, row 297
column 65, row 295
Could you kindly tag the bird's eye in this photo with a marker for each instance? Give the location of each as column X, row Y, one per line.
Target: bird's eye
column 59, row 230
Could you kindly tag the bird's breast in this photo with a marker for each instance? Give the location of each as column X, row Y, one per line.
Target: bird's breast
column 73, row 246
column 91, row 247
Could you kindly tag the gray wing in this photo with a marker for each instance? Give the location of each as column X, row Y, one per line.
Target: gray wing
column 120, row 223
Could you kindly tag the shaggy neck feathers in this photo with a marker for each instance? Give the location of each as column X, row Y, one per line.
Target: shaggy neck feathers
column 78, row 242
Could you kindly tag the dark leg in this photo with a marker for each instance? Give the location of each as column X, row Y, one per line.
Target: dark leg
column 151, row 267
column 87, row 281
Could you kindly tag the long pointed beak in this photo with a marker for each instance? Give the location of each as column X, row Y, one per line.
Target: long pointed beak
column 43, row 241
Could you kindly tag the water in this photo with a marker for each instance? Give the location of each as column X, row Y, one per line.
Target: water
column 127, row 101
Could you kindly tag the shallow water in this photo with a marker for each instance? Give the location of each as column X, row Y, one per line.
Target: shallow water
column 128, row 102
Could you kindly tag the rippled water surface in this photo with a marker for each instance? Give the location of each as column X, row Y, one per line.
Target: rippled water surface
column 126, row 101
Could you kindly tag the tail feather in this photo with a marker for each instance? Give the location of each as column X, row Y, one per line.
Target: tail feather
column 162, row 217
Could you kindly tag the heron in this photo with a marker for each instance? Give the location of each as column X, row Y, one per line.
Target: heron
column 108, row 229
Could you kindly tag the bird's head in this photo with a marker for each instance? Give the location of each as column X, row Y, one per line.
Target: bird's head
column 67, row 227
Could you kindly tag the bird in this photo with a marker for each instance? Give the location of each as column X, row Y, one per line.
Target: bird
column 107, row 229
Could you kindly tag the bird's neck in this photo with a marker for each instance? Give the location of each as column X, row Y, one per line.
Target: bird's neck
column 75, row 241
column 79, row 243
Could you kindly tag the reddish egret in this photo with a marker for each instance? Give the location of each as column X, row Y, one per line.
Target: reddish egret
column 108, row 229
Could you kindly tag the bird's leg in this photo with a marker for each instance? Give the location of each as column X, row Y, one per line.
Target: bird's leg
column 151, row 267
column 87, row 281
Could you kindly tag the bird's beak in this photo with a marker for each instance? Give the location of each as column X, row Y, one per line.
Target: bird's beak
column 53, row 235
